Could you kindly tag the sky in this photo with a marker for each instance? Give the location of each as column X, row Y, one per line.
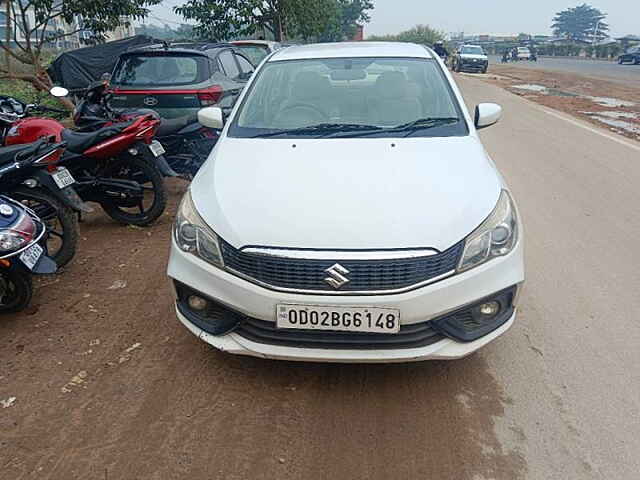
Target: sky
column 472, row 16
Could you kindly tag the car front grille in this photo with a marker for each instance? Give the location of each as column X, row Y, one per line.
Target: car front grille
column 410, row 336
column 380, row 275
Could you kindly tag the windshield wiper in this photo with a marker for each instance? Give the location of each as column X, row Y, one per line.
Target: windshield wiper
column 320, row 128
column 409, row 128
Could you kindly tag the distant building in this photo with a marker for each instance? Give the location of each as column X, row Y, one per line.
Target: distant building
column 75, row 37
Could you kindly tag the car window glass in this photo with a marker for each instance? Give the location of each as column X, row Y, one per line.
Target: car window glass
column 384, row 92
column 245, row 65
column 229, row 64
column 160, row 70
column 254, row 53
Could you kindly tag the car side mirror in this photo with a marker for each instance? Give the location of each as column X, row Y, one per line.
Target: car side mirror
column 487, row 114
column 59, row 92
column 211, row 117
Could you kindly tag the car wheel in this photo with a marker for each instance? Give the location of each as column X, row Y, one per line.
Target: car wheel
column 620, row 61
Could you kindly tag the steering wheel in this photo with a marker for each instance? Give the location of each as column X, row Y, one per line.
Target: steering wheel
column 319, row 115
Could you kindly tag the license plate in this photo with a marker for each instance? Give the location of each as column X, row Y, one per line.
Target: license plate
column 342, row 319
column 156, row 148
column 31, row 255
column 63, row 178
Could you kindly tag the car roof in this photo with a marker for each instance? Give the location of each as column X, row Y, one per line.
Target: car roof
column 471, row 45
column 266, row 43
column 181, row 47
column 351, row 49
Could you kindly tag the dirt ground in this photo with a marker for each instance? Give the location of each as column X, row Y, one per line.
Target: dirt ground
column 570, row 93
column 109, row 385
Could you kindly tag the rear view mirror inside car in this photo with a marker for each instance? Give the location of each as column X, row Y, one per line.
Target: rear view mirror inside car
column 351, row 74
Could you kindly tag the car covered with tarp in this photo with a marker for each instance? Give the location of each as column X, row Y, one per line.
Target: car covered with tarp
column 76, row 69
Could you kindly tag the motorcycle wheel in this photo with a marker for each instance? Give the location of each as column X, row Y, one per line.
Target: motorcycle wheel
column 61, row 222
column 16, row 290
column 154, row 198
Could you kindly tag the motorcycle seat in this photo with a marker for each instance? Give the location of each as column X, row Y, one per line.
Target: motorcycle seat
column 78, row 142
column 174, row 125
column 19, row 152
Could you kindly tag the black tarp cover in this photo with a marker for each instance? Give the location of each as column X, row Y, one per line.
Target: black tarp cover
column 78, row 68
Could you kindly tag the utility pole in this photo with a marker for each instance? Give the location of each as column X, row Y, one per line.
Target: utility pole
column 595, row 33
column 8, row 33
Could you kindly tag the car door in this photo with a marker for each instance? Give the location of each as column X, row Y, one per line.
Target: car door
column 229, row 66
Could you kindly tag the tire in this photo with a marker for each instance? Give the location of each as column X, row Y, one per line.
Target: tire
column 149, row 176
column 484, row 70
column 16, row 290
column 620, row 62
column 61, row 221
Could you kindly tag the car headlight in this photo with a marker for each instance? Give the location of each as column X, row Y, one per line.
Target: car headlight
column 496, row 237
column 193, row 235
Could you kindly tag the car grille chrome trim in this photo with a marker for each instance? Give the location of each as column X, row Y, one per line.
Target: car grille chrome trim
column 366, row 276
column 340, row 254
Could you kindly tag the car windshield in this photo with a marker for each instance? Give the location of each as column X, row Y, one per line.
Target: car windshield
column 472, row 50
column 153, row 70
column 255, row 53
column 349, row 97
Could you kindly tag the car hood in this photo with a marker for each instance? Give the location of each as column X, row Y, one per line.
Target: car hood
column 470, row 56
column 346, row 193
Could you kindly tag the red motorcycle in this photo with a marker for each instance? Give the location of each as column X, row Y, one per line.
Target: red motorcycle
column 118, row 166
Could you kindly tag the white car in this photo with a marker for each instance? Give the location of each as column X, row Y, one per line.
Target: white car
column 524, row 53
column 348, row 213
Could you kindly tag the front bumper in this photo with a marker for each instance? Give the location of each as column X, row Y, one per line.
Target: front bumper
column 416, row 306
column 473, row 66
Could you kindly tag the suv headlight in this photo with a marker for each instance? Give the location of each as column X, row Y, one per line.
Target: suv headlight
column 496, row 237
column 193, row 235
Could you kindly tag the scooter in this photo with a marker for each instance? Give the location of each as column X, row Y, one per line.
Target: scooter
column 31, row 175
column 23, row 253
column 186, row 142
column 118, row 166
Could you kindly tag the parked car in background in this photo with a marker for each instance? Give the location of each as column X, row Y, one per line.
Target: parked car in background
column 414, row 254
column 256, row 50
column 524, row 53
column 178, row 79
column 470, row 58
column 632, row 55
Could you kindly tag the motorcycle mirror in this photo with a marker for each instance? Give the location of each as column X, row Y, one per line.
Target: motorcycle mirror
column 59, row 92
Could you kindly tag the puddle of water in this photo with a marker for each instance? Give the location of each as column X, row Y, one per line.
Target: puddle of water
column 614, row 115
column 611, row 102
column 619, row 124
column 602, row 101
column 532, row 87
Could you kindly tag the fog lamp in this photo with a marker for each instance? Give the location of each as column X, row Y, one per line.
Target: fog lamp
column 197, row 303
column 489, row 309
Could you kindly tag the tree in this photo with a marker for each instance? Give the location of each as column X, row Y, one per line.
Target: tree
column 422, row 34
column 224, row 19
column 309, row 19
column 582, row 23
column 54, row 21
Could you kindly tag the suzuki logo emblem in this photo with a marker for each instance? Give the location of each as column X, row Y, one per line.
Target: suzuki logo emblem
column 150, row 101
column 337, row 276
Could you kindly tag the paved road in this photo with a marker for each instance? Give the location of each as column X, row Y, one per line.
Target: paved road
column 625, row 74
column 108, row 385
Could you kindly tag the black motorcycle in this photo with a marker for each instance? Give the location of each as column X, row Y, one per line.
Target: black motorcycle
column 186, row 142
column 23, row 252
column 30, row 175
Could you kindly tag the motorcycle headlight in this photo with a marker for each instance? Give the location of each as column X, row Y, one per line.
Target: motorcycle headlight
column 193, row 235
column 17, row 236
column 496, row 237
